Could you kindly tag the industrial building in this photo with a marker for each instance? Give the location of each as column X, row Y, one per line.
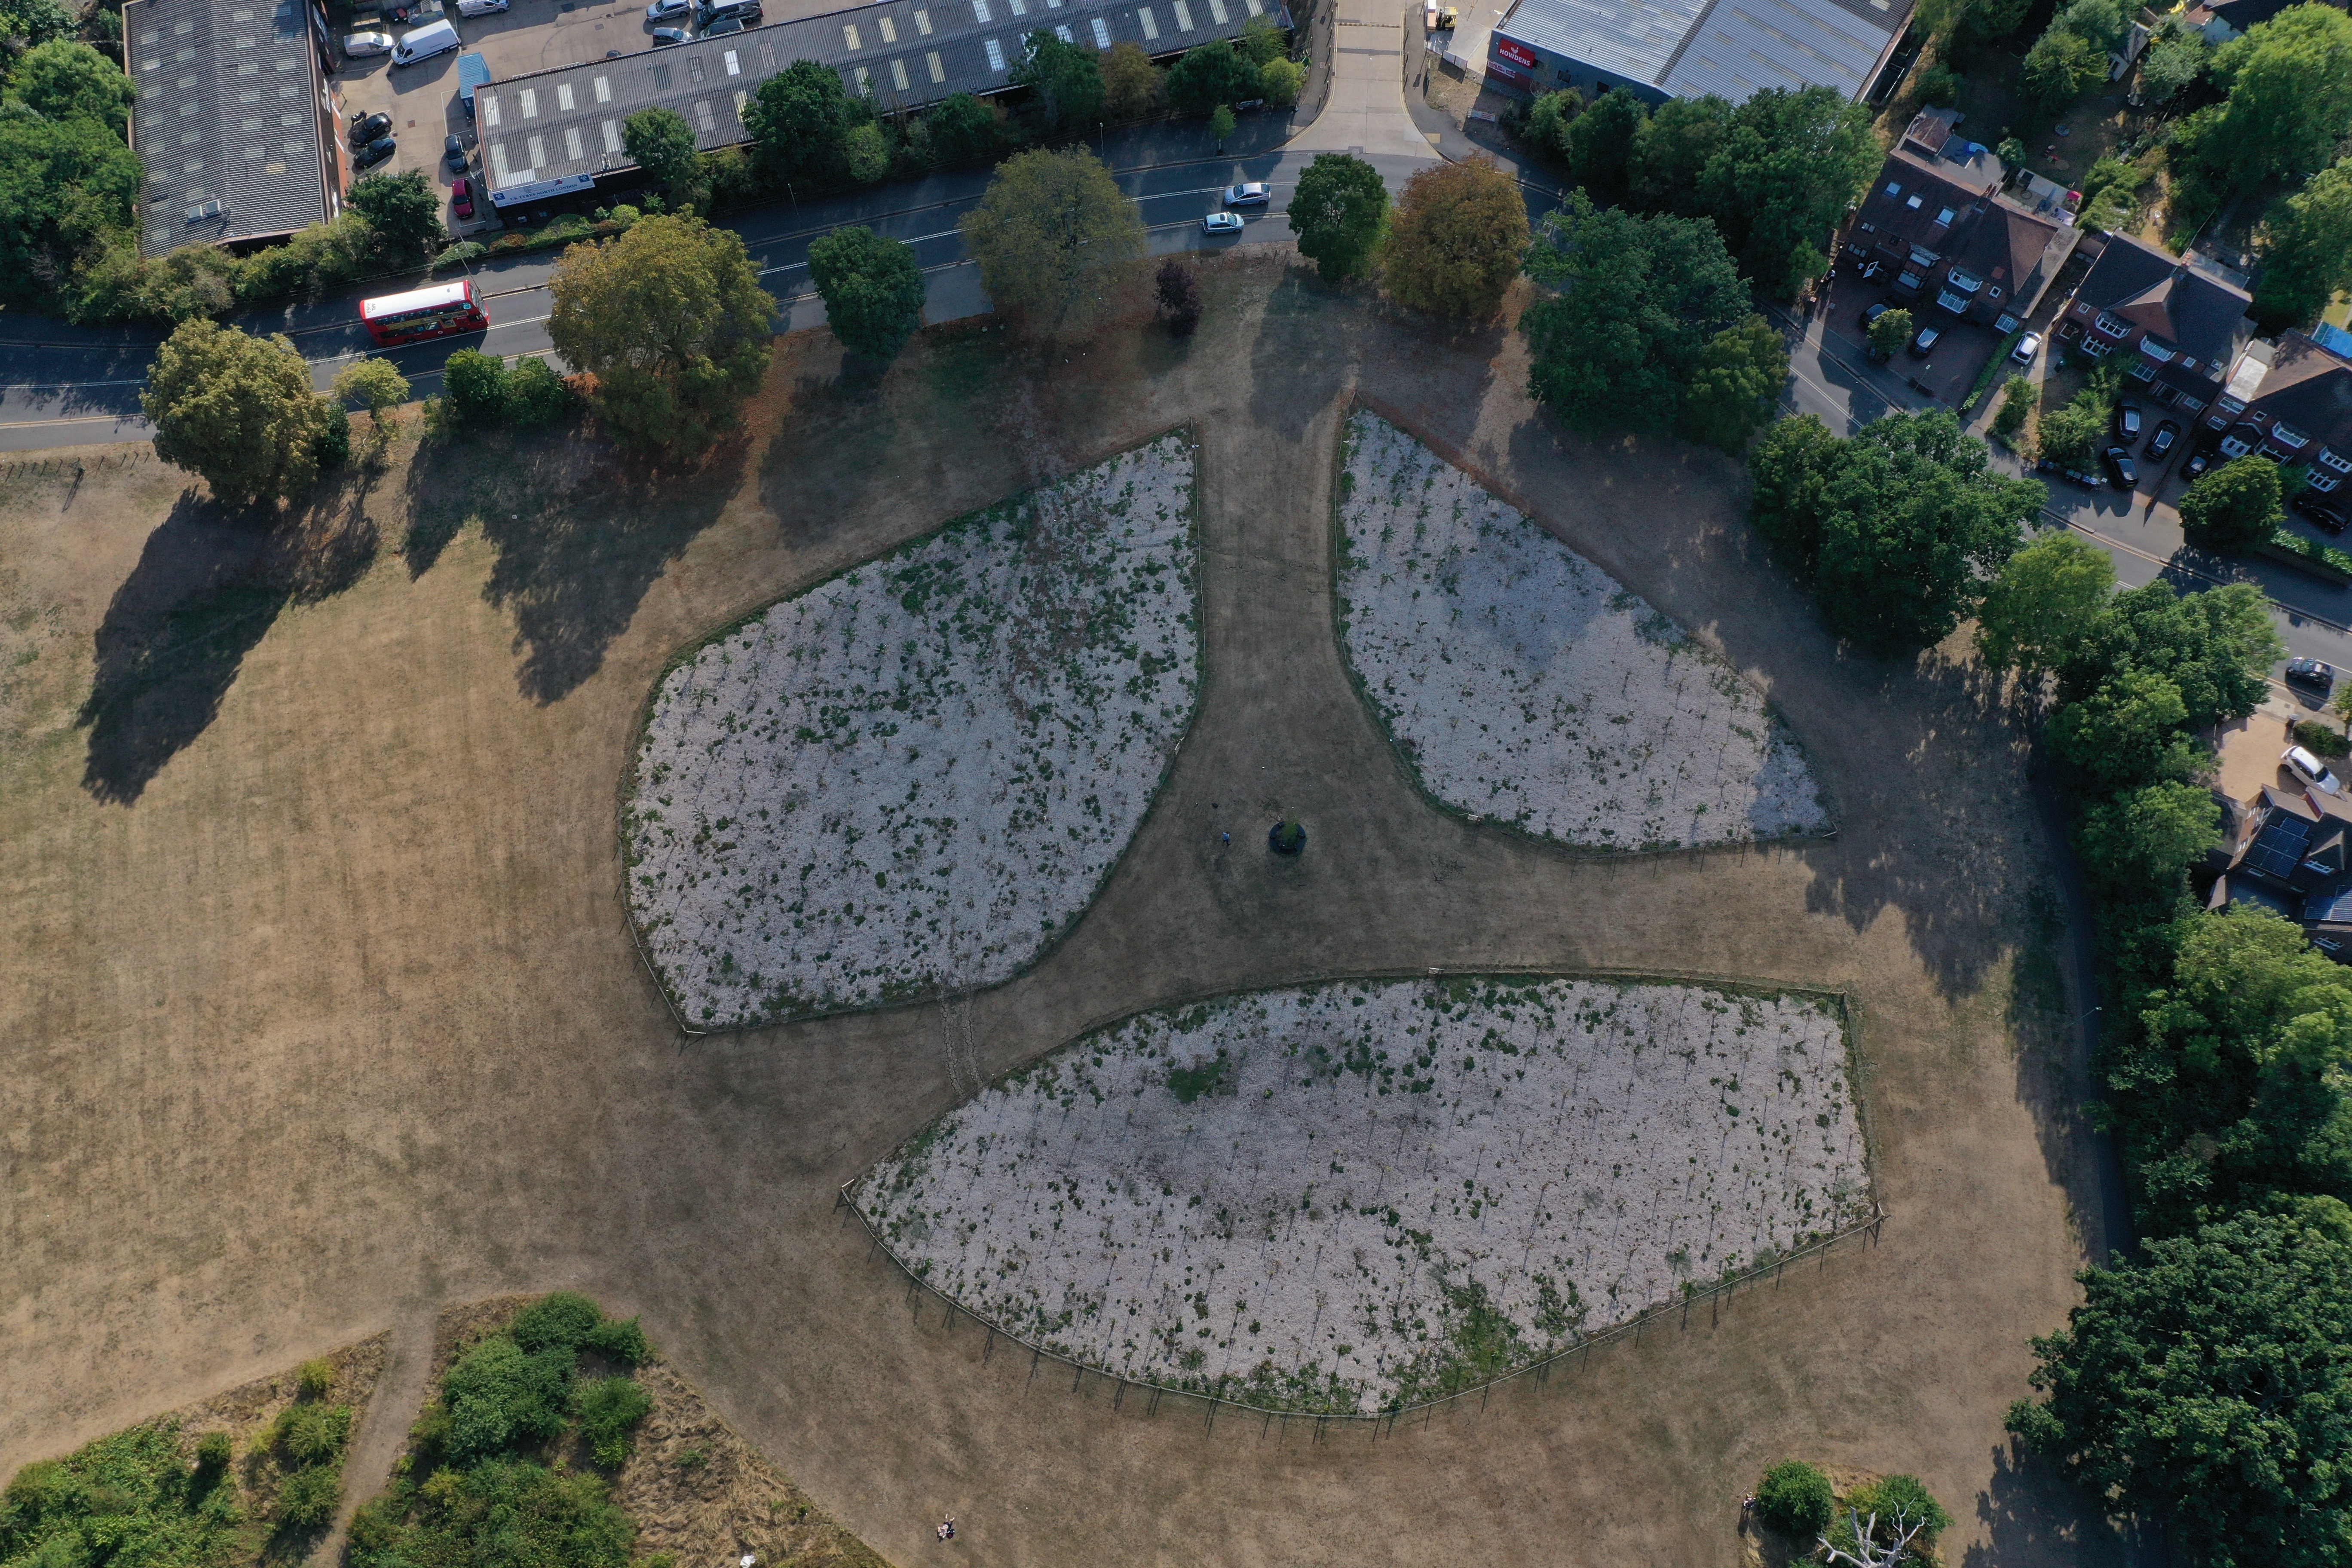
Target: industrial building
column 1690, row 48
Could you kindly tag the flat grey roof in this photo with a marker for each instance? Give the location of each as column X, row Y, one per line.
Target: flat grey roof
column 564, row 124
column 227, row 112
column 1733, row 48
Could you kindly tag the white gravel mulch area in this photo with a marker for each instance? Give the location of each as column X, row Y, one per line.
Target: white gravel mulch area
column 912, row 777
column 1361, row 1195
column 1526, row 686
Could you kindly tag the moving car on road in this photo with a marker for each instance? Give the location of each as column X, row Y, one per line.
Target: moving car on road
column 1221, row 222
column 434, row 313
column 2310, row 672
column 2120, row 472
column 1256, row 193
column 2310, row 770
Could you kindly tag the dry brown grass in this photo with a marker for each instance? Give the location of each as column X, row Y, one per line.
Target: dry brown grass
column 335, row 1019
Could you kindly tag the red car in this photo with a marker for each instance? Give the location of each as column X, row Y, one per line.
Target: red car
column 461, row 196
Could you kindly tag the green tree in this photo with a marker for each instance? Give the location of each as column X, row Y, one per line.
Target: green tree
column 2059, row 66
column 670, row 321
column 403, row 210
column 536, row 395
column 499, row 1394
column 66, row 194
column 1795, row 1500
column 474, row 389
column 375, row 384
column 2017, row 396
column 872, row 289
column 34, row 22
column 2136, row 847
column 2307, row 250
column 798, row 120
column 2217, row 646
column 1065, row 82
column 2235, row 507
column 1211, row 74
column 1789, row 475
column 2176, row 57
column 236, row 409
column 1882, row 1516
column 1280, row 80
column 1672, row 152
column 1789, row 167
column 1456, row 239
column 2207, row 1384
column 64, row 81
column 2105, row 24
column 962, row 128
column 1890, row 333
column 1220, row 124
column 2045, row 606
column 2127, row 732
column 1738, row 384
column 1548, row 118
column 1338, row 213
column 865, row 152
column 503, row 1513
column 1131, row 81
column 1050, row 232
column 2070, row 436
column 2290, row 85
column 662, row 143
column 1261, row 41
column 1599, row 144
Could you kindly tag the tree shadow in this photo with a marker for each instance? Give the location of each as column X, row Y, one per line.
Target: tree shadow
column 209, row 584
column 2031, row 1515
column 576, row 544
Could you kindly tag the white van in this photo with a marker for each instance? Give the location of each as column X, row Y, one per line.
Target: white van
column 480, row 7
column 425, row 43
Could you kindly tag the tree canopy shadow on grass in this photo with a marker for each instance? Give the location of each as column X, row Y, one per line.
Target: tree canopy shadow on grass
column 576, row 544
column 2031, row 1514
column 208, row 586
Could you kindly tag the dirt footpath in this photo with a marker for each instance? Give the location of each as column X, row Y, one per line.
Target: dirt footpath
column 320, row 1011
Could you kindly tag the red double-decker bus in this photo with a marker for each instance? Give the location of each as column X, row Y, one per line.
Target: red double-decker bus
column 433, row 312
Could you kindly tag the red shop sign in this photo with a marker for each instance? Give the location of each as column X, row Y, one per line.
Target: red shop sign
column 1511, row 49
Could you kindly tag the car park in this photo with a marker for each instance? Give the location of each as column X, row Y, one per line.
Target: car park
column 2027, row 347
column 1256, row 193
column 2310, row 672
column 723, row 25
column 2120, row 472
column 363, row 45
column 375, row 153
column 2127, row 420
column 461, row 197
column 367, row 130
column 663, row 36
column 2318, row 511
column 2196, row 465
column 1221, row 222
column 439, row 38
column 453, row 153
column 1923, row 341
column 2159, row 446
column 2310, row 770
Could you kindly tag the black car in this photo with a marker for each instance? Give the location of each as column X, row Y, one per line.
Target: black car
column 2310, row 672
column 2120, row 472
column 2159, row 443
column 2197, row 464
column 2127, row 421
column 2319, row 511
column 367, row 130
column 731, row 22
column 1924, row 339
column 745, row 11
column 454, row 151
column 375, row 153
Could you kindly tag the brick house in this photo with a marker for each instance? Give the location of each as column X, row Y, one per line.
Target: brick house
column 2292, row 404
column 2179, row 330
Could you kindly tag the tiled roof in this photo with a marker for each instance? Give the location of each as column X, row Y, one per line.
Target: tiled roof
column 2311, row 389
column 2197, row 314
column 228, row 119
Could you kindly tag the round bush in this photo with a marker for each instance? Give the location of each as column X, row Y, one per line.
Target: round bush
column 1795, row 1500
column 316, row 1379
column 308, row 1500
column 214, row 1452
column 565, row 1317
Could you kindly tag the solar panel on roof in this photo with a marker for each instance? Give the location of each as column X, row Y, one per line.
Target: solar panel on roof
column 2278, row 846
column 2334, row 904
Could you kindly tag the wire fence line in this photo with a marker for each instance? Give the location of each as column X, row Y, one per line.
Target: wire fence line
column 1372, row 1423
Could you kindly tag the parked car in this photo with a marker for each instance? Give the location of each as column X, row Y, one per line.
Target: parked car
column 2197, row 464
column 662, row 10
column 2160, row 444
column 461, row 197
column 480, row 7
column 364, row 130
column 665, row 35
column 1221, row 222
column 728, row 24
column 2310, row 672
column 747, row 12
column 1924, row 339
column 2319, row 511
column 2027, row 347
column 2120, row 472
column 453, row 153
column 2310, row 770
column 1256, row 194
column 375, row 153
column 361, row 46
column 2127, row 420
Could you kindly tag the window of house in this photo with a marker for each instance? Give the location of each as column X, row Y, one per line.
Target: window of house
column 1909, row 281
column 2191, row 404
column 1913, row 204
column 2233, row 447
column 1957, row 304
column 2287, row 436
column 2336, row 460
column 1893, row 187
column 2159, row 353
column 1964, row 281
column 1946, row 215
column 2113, row 326
column 2094, row 348
column 2324, row 483
column 2141, row 369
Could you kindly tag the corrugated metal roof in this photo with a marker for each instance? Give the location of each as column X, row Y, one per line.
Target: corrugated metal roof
column 560, row 124
column 228, row 112
column 1744, row 47
column 1629, row 38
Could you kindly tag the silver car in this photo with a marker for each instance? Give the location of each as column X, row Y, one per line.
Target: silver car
column 1253, row 194
column 360, row 46
column 662, row 9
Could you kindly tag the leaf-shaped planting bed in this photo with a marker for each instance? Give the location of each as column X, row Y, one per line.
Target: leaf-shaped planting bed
column 911, row 778
column 1358, row 1196
column 1523, row 684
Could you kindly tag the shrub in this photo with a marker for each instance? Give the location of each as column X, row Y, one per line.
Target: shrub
column 1940, row 85
column 214, row 1452
column 477, row 391
column 332, row 448
column 498, row 1395
column 623, row 1339
column 610, row 1409
column 1795, row 1500
column 1902, row 1497
column 537, row 395
column 565, row 1319
column 2017, row 400
column 463, row 251
column 1180, row 297
column 509, row 1512
column 2325, row 739
column 307, row 1500
column 311, row 1434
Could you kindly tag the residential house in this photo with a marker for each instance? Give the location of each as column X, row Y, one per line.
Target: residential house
column 1940, row 216
column 2294, row 404
column 2290, row 852
column 2178, row 328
